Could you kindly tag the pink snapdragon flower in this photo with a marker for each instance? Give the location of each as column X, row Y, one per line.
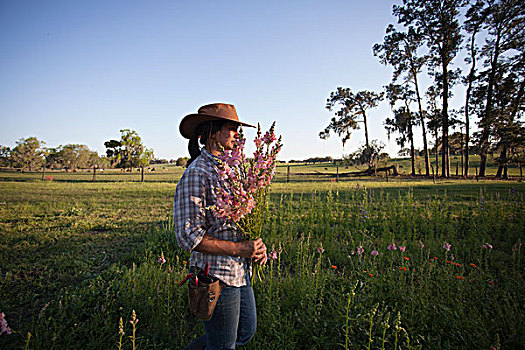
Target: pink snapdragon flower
column 360, row 250
column 402, row 248
column 391, row 246
column 243, row 184
column 374, row 253
column 4, row 328
column 447, row 246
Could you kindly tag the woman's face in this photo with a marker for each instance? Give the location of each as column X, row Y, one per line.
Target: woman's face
column 227, row 136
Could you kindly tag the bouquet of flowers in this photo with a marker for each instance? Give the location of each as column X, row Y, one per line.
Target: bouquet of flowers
column 243, row 198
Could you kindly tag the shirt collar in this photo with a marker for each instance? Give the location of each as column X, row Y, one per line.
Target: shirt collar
column 209, row 156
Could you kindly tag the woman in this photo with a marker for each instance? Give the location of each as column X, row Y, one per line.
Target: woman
column 212, row 240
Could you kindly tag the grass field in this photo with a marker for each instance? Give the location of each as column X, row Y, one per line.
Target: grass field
column 76, row 256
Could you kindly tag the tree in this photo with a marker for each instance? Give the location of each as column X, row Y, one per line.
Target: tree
column 95, row 161
column 437, row 23
column 351, row 107
column 434, row 117
column 371, row 154
column 129, row 152
column 509, row 132
column 182, row 161
column 28, row 153
column 504, row 21
column 73, row 156
column 400, row 50
column 113, row 151
column 403, row 120
column 5, row 156
column 472, row 25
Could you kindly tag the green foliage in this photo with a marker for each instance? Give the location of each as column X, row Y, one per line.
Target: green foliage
column 129, row 152
column 27, row 153
column 77, row 257
column 348, row 108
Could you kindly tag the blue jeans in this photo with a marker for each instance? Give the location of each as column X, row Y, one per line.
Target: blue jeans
column 234, row 320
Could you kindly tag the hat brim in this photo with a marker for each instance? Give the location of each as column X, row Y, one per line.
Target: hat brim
column 189, row 123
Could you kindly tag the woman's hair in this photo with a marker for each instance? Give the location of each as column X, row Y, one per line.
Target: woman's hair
column 203, row 132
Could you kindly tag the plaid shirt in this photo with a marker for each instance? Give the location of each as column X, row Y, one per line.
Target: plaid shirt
column 194, row 195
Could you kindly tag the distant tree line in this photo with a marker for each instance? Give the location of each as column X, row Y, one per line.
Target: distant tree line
column 31, row 154
column 429, row 37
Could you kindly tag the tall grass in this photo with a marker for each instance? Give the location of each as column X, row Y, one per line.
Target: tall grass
column 324, row 290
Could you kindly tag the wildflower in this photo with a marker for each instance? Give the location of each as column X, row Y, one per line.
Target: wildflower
column 374, row 253
column 406, row 258
column 360, row 250
column 435, row 258
column 402, row 268
column 334, row 267
column 491, row 282
column 320, row 250
column 402, row 248
column 134, row 320
column 420, row 244
column 121, row 327
column 235, row 198
column 4, row 328
column 473, row 265
column 272, row 255
column 161, row 258
column 371, row 275
column 460, row 277
column 446, row 246
column 184, row 262
column 517, row 246
column 486, row 246
column 391, row 246
column 428, row 197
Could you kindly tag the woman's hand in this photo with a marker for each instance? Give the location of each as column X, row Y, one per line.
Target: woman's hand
column 253, row 249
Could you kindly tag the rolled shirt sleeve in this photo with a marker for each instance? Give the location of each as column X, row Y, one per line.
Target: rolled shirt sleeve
column 189, row 210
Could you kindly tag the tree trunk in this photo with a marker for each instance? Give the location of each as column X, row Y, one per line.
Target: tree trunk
column 467, row 102
column 94, row 173
column 369, row 153
column 142, row 174
column 487, row 117
column 423, row 128
column 445, row 163
column 502, row 162
column 412, row 151
column 437, row 156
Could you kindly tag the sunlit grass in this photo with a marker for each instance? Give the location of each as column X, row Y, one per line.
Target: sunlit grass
column 76, row 256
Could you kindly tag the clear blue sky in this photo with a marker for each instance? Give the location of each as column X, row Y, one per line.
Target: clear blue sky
column 79, row 71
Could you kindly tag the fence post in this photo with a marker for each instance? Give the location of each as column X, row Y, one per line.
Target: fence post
column 94, row 173
column 477, row 178
column 288, row 175
column 457, row 169
column 433, row 174
column 337, row 177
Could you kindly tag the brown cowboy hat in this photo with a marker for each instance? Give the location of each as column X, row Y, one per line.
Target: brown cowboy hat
column 214, row 111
